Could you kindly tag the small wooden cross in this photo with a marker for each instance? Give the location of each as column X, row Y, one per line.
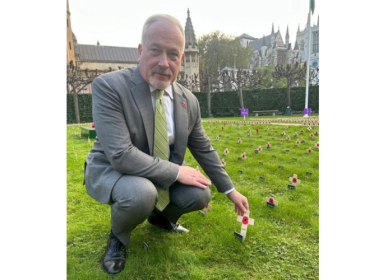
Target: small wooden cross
column 245, row 220
column 271, row 202
column 294, row 181
column 205, row 210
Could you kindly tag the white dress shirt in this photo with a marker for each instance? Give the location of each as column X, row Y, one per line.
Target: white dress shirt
column 167, row 100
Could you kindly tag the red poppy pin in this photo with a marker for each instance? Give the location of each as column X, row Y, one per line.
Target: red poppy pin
column 184, row 104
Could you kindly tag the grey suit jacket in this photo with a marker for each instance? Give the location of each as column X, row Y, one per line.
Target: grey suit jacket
column 124, row 120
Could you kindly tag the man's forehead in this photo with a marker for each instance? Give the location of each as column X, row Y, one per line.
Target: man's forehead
column 158, row 45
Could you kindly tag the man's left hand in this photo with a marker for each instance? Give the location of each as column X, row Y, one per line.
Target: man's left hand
column 240, row 201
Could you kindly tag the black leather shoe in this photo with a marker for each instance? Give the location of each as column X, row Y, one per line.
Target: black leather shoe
column 158, row 220
column 114, row 257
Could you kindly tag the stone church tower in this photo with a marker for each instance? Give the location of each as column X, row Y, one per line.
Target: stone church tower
column 69, row 36
column 191, row 52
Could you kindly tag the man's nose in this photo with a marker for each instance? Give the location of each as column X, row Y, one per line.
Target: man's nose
column 163, row 61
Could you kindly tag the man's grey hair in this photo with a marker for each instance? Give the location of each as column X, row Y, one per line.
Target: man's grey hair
column 162, row 18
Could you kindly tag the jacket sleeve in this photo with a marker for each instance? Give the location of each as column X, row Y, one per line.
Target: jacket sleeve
column 200, row 146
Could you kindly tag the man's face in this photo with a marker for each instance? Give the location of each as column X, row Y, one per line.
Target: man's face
column 161, row 56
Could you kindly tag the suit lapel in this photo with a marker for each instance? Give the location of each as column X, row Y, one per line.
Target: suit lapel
column 143, row 100
column 180, row 122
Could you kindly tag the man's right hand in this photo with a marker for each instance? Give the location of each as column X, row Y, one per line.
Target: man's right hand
column 192, row 177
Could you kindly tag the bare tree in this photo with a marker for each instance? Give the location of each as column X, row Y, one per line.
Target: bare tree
column 77, row 80
column 190, row 82
column 293, row 73
column 314, row 76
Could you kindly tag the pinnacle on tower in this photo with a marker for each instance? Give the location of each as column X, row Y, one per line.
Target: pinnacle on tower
column 296, row 47
column 189, row 32
column 263, row 41
column 287, row 37
column 272, row 29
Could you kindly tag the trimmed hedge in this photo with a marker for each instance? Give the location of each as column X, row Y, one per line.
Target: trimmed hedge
column 85, row 108
column 225, row 104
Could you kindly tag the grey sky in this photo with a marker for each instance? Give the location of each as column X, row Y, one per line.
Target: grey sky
column 119, row 22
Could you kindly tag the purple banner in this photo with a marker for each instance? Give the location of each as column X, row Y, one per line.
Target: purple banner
column 244, row 112
column 308, row 111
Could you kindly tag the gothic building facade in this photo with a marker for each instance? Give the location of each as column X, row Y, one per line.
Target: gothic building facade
column 272, row 50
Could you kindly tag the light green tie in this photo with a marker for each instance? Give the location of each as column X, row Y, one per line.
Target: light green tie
column 161, row 145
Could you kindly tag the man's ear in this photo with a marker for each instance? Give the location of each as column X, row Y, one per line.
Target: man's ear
column 182, row 57
column 140, row 49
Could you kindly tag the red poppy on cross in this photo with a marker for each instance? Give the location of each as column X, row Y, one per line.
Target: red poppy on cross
column 294, row 180
column 245, row 220
column 270, row 201
column 205, row 210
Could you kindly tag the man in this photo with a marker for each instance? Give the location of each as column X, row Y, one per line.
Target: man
column 144, row 122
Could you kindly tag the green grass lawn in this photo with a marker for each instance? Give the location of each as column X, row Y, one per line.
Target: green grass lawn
column 282, row 244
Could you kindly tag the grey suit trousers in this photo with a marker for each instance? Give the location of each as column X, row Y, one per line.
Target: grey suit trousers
column 134, row 198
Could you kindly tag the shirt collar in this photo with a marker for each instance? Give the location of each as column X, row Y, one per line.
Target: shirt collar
column 168, row 90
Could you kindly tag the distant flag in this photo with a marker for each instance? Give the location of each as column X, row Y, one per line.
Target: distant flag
column 243, row 156
column 297, row 143
column 226, row 151
column 309, row 150
column 312, row 5
column 259, row 149
column 311, row 135
column 317, row 145
column 223, row 162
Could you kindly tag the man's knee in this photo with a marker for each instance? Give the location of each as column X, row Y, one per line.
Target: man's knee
column 195, row 198
column 204, row 198
column 134, row 190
